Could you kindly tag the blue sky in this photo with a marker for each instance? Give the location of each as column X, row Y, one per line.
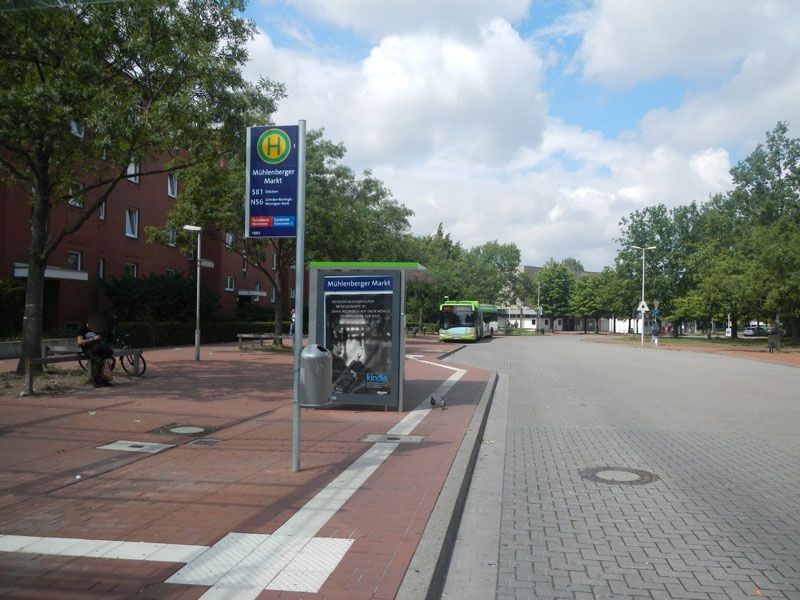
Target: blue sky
column 538, row 122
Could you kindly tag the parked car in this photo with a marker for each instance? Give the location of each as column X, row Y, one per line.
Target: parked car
column 757, row 330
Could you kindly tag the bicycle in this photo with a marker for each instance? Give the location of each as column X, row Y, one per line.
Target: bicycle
column 119, row 342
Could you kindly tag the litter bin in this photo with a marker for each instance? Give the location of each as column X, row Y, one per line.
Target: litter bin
column 316, row 375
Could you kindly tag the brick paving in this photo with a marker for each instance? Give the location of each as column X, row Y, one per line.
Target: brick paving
column 54, row 481
column 721, row 522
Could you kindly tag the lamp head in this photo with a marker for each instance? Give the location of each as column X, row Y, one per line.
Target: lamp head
column 194, row 228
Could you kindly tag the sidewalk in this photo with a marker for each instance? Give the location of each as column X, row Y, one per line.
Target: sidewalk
column 219, row 513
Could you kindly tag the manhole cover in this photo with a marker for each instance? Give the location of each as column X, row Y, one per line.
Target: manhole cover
column 183, row 429
column 187, row 430
column 618, row 475
column 373, row 438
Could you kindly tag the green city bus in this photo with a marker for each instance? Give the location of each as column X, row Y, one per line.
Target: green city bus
column 466, row 320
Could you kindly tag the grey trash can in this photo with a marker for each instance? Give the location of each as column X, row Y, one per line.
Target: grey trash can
column 316, row 375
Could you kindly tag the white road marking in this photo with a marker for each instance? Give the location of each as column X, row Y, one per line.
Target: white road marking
column 100, row 548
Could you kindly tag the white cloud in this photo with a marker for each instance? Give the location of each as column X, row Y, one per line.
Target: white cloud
column 418, row 98
column 572, row 207
column 627, row 41
column 386, row 17
column 455, row 122
column 738, row 113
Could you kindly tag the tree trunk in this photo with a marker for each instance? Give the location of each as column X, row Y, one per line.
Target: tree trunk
column 794, row 327
column 34, row 290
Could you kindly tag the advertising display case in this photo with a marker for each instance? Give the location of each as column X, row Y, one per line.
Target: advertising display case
column 358, row 313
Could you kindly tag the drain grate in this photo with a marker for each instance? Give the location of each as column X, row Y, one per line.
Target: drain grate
column 204, row 442
column 129, row 446
column 392, row 438
column 618, row 475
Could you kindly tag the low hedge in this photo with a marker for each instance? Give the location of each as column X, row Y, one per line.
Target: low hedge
column 150, row 335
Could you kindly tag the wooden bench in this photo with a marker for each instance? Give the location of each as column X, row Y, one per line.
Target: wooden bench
column 59, row 354
column 255, row 336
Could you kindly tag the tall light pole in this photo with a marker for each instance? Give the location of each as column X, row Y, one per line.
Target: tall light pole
column 641, row 306
column 199, row 231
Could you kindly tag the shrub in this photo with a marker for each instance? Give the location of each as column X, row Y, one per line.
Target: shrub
column 171, row 333
column 12, row 305
column 159, row 297
column 250, row 311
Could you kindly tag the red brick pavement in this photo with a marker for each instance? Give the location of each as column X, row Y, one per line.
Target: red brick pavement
column 196, row 495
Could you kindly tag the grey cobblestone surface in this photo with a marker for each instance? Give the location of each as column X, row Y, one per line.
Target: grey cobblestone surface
column 722, row 520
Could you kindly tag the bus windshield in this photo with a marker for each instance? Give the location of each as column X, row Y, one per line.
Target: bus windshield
column 457, row 316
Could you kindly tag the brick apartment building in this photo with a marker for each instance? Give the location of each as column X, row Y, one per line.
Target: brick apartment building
column 113, row 242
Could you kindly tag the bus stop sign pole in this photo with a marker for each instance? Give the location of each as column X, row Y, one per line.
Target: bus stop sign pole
column 299, row 276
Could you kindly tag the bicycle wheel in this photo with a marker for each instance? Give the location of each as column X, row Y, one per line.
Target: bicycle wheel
column 128, row 360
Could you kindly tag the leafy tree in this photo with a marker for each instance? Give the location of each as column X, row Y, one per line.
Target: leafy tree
column 97, row 92
column 556, row 283
column 490, row 272
column 765, row 201
column 349, row 218
column 443, row 258
column 585, row 299
column 674, row 234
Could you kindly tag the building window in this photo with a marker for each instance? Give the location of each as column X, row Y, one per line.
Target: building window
column 131, row 270
column 76, row 195
column 229, row 239
column 133, row 172
column 273, row 295
column 76, row 129
column 101, row 268
column 172, row 238
column 172, row 185
column 291, row 292
column 257, row 288
column 171, row 272
column 102, row 211
column 274, row 262
column 132, row 222
column 292, row 265
column 244, row 261
column 229, row 283
column 73, row 260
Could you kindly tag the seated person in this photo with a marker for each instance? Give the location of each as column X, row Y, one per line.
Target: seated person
column 97, row 351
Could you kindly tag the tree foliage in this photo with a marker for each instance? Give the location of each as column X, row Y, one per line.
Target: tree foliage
column 97, row 91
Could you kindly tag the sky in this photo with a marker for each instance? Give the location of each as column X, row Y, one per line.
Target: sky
column 537, row 122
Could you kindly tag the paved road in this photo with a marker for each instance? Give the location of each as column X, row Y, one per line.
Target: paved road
column 722, row 436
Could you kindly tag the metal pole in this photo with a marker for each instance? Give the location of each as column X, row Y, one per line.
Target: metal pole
column 299, row 274
column 197, row 310
column 642, row 312
column 538, row 306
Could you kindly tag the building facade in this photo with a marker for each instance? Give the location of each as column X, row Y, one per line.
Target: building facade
column 113, row 242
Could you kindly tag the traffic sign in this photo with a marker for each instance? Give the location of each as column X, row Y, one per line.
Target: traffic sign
column 643, row 307
column 207, row 264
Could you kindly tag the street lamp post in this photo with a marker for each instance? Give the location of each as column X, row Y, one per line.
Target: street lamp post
column 641, row 312
column 199, row 231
